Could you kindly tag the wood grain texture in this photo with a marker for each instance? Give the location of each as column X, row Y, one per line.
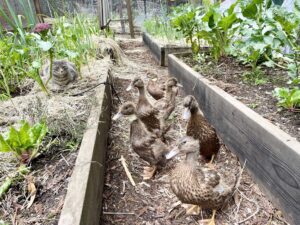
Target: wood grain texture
column 273, row 156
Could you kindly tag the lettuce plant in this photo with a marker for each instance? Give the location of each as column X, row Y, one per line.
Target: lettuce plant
column 289, row 99
column 25, row 141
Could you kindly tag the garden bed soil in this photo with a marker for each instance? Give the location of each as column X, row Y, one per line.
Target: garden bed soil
column 66, row 117
column 229, row 75
column 151, row 202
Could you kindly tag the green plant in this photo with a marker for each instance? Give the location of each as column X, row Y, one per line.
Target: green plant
column 288, row 98
column 161, row 27
column 253, row 105
column 262, row 32
column 255, row 77
column 9, row 180
column 25, row 142
column 217, row 28
column 18, row 22
column 22, row 56
column 184, row 20
column 214, row 27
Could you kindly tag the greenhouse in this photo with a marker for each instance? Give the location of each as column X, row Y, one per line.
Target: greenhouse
column 147, row 112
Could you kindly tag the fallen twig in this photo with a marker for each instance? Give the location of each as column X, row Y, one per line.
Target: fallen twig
column 253, row 214
column 124, row 164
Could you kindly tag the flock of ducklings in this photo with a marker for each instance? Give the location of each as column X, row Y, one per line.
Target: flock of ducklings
column 197, row 186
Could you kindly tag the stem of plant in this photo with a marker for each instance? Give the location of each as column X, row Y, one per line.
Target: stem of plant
column 276, row 64
column 51, row 65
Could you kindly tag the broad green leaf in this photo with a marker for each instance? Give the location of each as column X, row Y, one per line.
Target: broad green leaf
column 268, row 40
column 24, row 134
column 36, row 65
column 38, row 132
column 266, row 29
column 4, row 146
column 258, row 1
column 278, row 2
column 295, row 97
column 227, row 22
column 14, row 139
column 250, row 11
column 45, row 45
column 269, row 64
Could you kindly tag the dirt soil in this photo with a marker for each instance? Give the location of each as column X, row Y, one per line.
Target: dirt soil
column 66, row 114
column 228, row 74
column 152, row 202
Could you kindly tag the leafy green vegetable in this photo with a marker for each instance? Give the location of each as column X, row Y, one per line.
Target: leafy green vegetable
column 289, row 99
column 25, row 142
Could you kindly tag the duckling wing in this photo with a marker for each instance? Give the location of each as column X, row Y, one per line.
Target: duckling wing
column 145, row 110
column 211, row 177
column 154, row 90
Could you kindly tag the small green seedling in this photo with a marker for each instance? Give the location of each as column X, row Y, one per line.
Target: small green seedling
column 288, row 99
column 25, row 142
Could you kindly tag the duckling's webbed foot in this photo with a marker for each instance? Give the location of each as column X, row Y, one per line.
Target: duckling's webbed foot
column 210, row 164
column 149, row 172
column 211, row 221
column 191, row 209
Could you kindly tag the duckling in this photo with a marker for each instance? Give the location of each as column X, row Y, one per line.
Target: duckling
column 144, row 143
column 167, row 104
column 199, row 128
column 198, row 185
column 144, row 110
column 155, row 90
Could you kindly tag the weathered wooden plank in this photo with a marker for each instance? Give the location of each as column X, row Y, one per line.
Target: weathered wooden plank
column 83, row 202
column 161, row 52
column 154, row 47
column 273, row 157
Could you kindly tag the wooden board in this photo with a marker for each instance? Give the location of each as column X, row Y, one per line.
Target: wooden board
column 161, row 52
column 155, row 48
column 83, row 202
column 272, row 156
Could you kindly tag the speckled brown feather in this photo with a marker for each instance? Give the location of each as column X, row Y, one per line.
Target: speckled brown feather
column 197, row 185
column 200, row 129
column 146, row 112
column 146, row 145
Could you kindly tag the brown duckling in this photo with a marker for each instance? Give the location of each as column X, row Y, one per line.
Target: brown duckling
column 198, row 185
column 149, row 147
column 169, row 101
column 144, row 110
column 199, row 128
column 155, row 90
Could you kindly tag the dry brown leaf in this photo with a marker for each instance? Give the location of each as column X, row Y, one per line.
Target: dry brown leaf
column 32, row 192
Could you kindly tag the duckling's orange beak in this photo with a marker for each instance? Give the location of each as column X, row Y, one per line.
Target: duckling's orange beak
column 117, row 116
column 186, row 115
column 172, row 153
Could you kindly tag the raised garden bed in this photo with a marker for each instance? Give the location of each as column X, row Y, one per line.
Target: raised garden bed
column 78, row 116
column 271, row 155
column 161, row 51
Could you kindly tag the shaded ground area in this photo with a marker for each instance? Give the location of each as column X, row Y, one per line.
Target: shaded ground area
column 152, row 202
